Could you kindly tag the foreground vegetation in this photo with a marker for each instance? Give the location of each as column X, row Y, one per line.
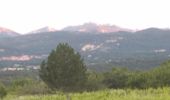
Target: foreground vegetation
column 119, row 94
column 65, row 76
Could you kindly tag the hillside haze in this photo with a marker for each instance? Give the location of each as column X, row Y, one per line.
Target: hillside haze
column 143, row 49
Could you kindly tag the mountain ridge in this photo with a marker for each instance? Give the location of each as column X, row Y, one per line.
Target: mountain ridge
column 43, row 30
column 4, row 32
column 142, row 49
column 93, row 27
column 86, row 28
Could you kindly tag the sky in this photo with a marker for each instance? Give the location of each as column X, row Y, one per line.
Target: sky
column 24, row 16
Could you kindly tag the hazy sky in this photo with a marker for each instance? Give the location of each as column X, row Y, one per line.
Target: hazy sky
column 26, row 15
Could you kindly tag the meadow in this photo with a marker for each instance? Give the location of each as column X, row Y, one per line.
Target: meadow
column 108, row 94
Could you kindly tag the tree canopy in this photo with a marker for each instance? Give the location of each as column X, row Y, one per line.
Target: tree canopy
column 64, row 69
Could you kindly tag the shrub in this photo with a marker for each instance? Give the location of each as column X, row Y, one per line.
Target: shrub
column 3, row 91
column 117, row 78
column 94, row 82
column 29, row 86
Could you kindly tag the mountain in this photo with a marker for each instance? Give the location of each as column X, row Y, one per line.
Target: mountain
column 92, row 27
column 4, row 32
column 44, row 29
column 143, row 49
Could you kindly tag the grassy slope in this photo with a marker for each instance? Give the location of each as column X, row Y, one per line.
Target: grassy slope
column 149, row 94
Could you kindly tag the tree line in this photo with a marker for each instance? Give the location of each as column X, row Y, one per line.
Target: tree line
column 65, row 70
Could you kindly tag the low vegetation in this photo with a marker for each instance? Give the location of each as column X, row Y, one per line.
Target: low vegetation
column 119, row 94
column 3, row 91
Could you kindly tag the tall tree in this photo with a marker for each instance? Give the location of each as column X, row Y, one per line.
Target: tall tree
column 64, row 69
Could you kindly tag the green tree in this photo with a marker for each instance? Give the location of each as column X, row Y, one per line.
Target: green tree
column 138, row 80
column 94, row 81
column 3, row 91
column 64, row 69
column 117, row 78
column 159, row 77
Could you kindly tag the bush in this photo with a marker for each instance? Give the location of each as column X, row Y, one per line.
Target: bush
column 29, row 86
column 117, row 78
column 138, row 80
column 94, row 82
column 3, row 91
column 160, row 76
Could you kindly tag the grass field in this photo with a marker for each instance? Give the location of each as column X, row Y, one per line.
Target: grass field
column 128, row 94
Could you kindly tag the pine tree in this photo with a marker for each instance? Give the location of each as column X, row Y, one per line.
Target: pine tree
column 64, row 69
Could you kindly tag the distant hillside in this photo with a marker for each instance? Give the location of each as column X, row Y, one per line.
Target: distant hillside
column 138, row 50
column 4, row 32
column 92, row 27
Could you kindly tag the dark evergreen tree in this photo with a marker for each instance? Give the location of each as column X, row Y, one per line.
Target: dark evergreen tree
column 64, row 69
